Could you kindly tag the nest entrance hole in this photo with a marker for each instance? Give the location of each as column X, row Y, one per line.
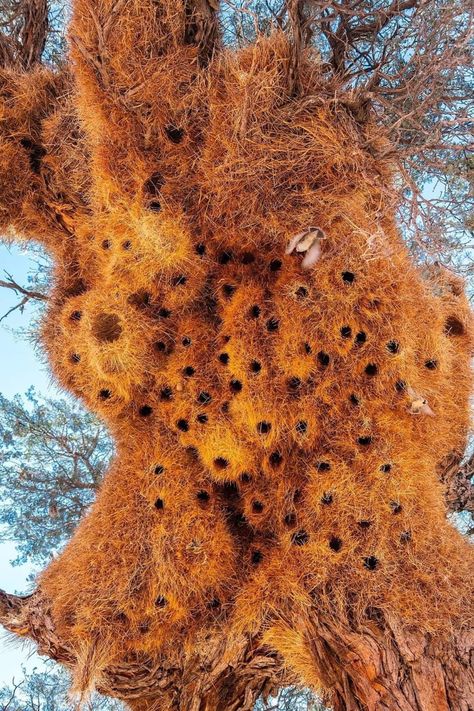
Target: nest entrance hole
column 106, row 328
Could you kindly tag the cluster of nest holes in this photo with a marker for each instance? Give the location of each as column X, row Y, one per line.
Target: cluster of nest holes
column 125, row 245
column 228, row 256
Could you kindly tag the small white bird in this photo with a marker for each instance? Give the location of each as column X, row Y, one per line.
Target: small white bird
column 419, row 404
column 309, row 241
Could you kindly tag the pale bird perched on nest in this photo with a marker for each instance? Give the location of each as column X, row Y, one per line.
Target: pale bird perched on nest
column 418, row 404
column 309, row 241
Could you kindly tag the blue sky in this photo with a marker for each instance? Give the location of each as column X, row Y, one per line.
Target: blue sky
column 19, row 369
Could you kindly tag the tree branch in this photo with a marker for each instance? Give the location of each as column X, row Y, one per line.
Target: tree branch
column 28, row 294
column 27, row 27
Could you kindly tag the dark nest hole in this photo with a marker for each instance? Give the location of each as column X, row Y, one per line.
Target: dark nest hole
column 245, row 478
column 174, row 133
column 140, row 299
column 257, row 507
column 166, row 394
column 301, row 292
column 297, row 496
column 400, row 386
column 254, row 311
column 371, row 369
column 162, row 347
column 405, row 537
column 214, row 604
column 159, row 469
column 144, row 626
column 164, row 312
column 159, row 504
column 179, row 280
column 256, row 557
column 275, row 459
column 264, row 427
column 294, row 383
column 365, row 440
column 106, row 244
column 145, row 411
column 393, row 347
column 301, row 427
column 335, row 544
column 127, row 245
column 386, row 468
column 221, row 463
column 75, row 358
column 323, row 466
column 290, row 520
column 228, row 290
column 275, row 265
column 396, row 507
column 346, row 332
column 453, row 327
column 192, row 453
column 360, row 338
column 76, row 316
column 203, row 497
column 225, row 257
column 200, row 249
column 307, row 348
column 431, row 364
column 161, row 601
column 248, row 258
column 186, row 341
column 182, row 425
column 76, row 288
column 323, row 359
column 188, row 371
column 105, row 394
column 236, row 386
column 300, row 538
column 273, row 324
column 371, row 562
column 327, row 498
column 202, row 419
column 223, row 358
column 255, row 366
column 106, row 328
column 364, row 524
column 204, row 398
column 152, row 187
column 348, row 277
column 354, row 400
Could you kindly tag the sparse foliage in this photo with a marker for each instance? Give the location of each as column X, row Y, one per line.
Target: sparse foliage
column 52, row 459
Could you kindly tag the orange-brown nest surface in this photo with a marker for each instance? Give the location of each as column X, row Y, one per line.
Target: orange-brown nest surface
column 278, row 428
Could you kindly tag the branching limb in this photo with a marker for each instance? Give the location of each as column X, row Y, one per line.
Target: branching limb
column 25, row 32
column 27, row 295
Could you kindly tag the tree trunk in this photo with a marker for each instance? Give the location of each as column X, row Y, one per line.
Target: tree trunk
column 382, row 667
column 386, row 667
